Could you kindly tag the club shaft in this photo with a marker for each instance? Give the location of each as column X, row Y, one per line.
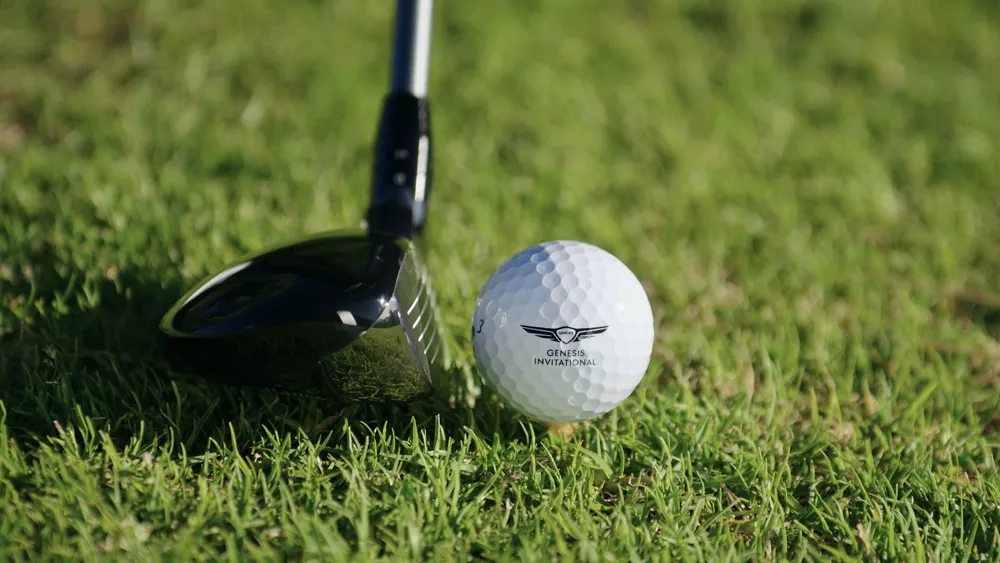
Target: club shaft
column 411, row 57
column 401, row 179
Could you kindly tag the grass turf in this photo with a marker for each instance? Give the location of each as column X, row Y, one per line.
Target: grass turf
column 808, row 189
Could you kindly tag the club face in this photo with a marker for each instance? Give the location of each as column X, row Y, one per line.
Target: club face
column 347, row 316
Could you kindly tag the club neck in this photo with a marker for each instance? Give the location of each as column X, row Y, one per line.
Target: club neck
column 411, row 58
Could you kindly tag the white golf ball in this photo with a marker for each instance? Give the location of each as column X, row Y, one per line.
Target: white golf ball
column 563, row 331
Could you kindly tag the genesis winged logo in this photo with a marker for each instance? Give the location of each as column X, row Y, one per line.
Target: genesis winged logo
column 564, row 334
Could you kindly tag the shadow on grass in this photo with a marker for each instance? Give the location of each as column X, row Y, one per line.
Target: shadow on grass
column 979, row 307
column 74, row 348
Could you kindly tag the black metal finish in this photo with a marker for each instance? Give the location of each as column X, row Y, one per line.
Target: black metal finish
column 349, row 315
column 401, row 178
column 318, row 317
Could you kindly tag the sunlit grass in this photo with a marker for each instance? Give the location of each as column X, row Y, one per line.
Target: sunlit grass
column 808, row 190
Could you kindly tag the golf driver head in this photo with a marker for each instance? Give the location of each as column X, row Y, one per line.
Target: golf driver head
column 347, row 315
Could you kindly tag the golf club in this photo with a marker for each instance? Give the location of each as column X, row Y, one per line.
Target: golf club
column 347, row 315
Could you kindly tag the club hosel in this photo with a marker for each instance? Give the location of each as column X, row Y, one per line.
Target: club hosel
column 401, row 179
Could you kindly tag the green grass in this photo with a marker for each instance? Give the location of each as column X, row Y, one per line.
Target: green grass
column 809, row 190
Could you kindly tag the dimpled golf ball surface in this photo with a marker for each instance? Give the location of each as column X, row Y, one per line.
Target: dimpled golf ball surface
column 563, row 331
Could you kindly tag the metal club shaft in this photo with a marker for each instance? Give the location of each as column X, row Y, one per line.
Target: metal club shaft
column 411, row 58
column 401, row 179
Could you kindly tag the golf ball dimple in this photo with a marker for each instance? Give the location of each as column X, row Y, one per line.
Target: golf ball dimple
column 576, row 335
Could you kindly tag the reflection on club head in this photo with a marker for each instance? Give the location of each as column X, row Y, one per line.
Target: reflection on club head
column 344, row 315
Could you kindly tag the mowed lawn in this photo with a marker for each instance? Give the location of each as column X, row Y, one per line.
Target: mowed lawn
column 808, row 189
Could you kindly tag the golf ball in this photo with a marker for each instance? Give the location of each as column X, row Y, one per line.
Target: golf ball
column 563, row 331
